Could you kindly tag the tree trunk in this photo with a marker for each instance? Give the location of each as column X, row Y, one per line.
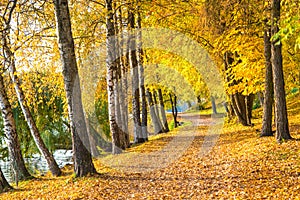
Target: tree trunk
column 124, row 98
column 162, row 111
column 260, row 95
column 111, row 59
column 117, row 80
column 174, row 113
column 4, row 185
column 157, row 109
column 10, row 131
column 53, row 167
column 213, row 105
column 268, row 97
column 176, row 110
column 124, row 83
column 135, row 84
column 144, row 130
column 155, row 120
column 83, row 164
column 238, row 109
column 225, row 105
column 199, row 102
column 10, row 62
column 241, row 104
column 121, row 108
column 249, row 104
column 282, row 125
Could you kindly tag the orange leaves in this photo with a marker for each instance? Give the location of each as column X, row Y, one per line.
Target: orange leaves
column 240, row 166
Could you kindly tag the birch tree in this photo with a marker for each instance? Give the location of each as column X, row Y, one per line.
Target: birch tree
column 144, row 131
column 10, row 64
column 10, row 129
column 111, row 76
column 83, row 164
column 4, row 185
column 137, row 132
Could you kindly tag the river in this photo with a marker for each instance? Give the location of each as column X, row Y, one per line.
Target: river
column 37, row 164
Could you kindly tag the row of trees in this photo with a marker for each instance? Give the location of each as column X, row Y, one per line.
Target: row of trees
column 232, row 32
column 229, row 30
column 118, row 64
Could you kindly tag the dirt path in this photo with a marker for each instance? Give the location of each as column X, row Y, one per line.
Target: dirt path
column 176, row 172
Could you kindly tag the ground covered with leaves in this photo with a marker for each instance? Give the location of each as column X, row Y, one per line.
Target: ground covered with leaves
column 241, row 165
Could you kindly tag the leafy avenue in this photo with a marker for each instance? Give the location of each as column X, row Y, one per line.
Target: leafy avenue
column 139, row 91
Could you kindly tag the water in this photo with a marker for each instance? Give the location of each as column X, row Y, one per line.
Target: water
column 37, row 164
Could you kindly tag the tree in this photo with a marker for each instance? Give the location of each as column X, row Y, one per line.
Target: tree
column 174, row 108
column 282, row 125
column 83, row 164
column 162, row 110
column 269, row 91
column 155, row 120
column 136, row 110
column 10, row 131
column 213, row 105
column 140, row 54
column 4, row 185
column 241, row 104
column 111, row 61
column 157, row 110
column 10, row 64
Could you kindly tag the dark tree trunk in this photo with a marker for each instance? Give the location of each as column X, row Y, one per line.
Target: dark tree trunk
column 241, row 104
column 225, row 104
column 199, row 102
column 239, row 108
column 155, row 120
column 4, row 185
column 268, row 97
column 213, row 105
column 162, row 110
column 10, row 131
column 249, row 104
column 282, row 125
column 174, row 109
column 83, row 164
